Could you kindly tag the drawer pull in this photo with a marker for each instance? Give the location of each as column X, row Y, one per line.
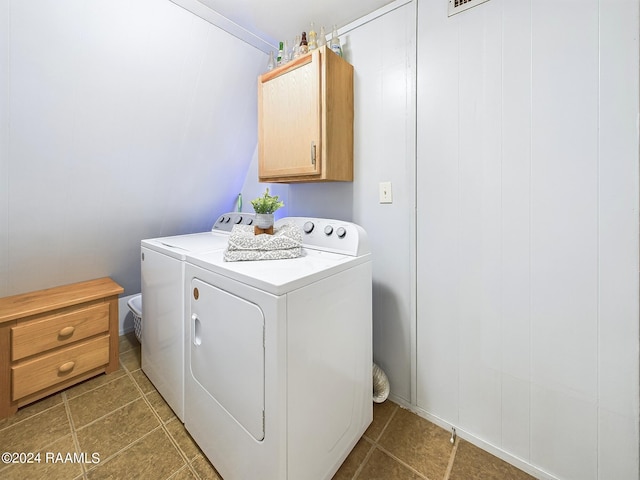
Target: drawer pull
column 66, row 367
column 66, row 331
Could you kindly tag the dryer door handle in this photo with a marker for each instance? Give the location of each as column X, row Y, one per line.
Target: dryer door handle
column 196, row 331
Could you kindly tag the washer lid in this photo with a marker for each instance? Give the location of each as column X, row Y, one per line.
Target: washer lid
column 278, row 276
column 178, row 246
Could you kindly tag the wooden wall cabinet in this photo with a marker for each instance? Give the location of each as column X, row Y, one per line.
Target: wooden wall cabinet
column 305, row 120
column 51, row 339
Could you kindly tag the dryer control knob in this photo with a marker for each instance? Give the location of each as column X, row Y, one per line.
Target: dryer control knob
column 238, row 219
column 249, row 221
column 308, row 227
column 328, row 230
column 341, row 232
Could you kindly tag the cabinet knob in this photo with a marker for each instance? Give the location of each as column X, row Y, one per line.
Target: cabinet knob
column 66, row 331
column 66, row 367
column 313, row 152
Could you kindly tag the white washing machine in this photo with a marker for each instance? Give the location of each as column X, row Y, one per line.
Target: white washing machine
column 162, row 278
column 279, row 356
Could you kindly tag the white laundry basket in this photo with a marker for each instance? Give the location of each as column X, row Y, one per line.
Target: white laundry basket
column 135, row 305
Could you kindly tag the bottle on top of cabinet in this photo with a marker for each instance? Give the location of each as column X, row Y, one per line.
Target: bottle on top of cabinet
column 295, row 51
column 280, row 58
column 322, row 38
column 335, row 41
column 271, row 64
column 304, row 45
column 313, row 42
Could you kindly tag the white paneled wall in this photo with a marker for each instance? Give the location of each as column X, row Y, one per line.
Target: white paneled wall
column 617, row 362
column 528, row 231
column 515, row 302
column 127, row 120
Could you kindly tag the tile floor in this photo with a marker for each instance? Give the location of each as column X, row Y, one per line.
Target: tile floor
column 122, row 418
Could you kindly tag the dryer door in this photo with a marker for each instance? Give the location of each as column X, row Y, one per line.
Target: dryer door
column 227, row 353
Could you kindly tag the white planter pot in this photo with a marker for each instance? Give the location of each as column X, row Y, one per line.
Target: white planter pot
column 264, row 220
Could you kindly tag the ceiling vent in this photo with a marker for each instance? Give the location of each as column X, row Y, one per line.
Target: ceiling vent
column 457, row 6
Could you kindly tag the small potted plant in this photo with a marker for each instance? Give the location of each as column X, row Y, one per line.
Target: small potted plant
column 264, row 207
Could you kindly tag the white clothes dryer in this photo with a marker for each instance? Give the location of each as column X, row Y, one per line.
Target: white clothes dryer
column 162, row 279
column 279, row 356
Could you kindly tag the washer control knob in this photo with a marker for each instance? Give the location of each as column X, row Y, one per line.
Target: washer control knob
column 238, row 219
column 308, row 227
column 328, row 230
column 222, row 219
column 341, row 232
column 249, row 221
column 227, row 219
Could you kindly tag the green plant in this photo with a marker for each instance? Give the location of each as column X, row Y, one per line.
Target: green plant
column 266, row 203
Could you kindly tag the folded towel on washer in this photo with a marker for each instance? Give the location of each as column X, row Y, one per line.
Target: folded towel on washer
column 241, row 255
column 243, row 244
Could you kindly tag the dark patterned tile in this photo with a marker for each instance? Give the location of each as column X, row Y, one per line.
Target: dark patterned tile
column 36, row 431
column 351, row 464
column 381, row 466
column 160, row 406
column 93, row 383
column 53, row 463
column 103, row 400
column 117, row 430
column 153, row 457
column 184, row 474
column 419, row 443
column 204, row 469
column 472, row 462
column 382, row 412
column 143, row 382
column 131, row 359
column 31, row 409
column 127, row 342
column 182, row 438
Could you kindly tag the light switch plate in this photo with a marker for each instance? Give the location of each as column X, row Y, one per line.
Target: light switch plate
column 386, row 195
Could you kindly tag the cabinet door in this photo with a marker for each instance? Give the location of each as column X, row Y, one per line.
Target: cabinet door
column 289, row 120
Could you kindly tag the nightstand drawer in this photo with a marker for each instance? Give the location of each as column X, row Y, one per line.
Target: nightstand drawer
column 47, row 370
column 52, row 331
